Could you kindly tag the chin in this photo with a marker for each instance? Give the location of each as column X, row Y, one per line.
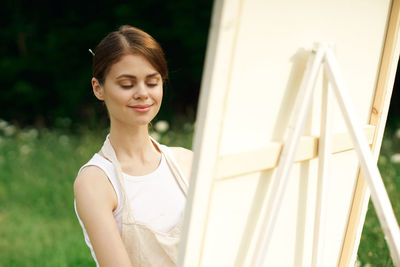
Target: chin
column 138, row 120
column 142, row 122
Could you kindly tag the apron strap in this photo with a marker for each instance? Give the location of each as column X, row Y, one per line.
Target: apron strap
column 109, row 153
column 176, row 171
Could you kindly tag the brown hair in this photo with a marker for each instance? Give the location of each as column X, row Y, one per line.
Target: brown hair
column 127, row 40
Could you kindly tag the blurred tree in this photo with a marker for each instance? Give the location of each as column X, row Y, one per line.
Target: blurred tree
column 394, row 110
column 45, row 66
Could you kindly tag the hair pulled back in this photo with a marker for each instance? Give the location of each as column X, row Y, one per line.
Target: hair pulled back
column 127, row 40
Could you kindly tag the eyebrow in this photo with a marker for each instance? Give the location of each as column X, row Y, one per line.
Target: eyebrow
column 134, row 77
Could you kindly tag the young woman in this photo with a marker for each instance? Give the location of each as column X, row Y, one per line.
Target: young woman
column 130, row 197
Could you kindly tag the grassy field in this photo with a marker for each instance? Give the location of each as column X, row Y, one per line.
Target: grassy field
column 373, row 249
column 38, row 226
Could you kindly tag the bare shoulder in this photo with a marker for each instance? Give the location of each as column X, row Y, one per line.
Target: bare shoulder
column 89, row 178
column 181, row 151
column 92, row 185
column 95, row 201
column 184, row 157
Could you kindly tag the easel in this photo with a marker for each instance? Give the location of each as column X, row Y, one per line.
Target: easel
column 323, row 55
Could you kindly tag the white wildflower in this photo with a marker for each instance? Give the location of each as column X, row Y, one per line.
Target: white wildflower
column 24, row 150
column 161, row 126
column 63, row 139
column 9, row 130
column 395, row 158
column 33, row 133
column 397, row 133
column 30, row 134
column 155, row 135
column 3, row 124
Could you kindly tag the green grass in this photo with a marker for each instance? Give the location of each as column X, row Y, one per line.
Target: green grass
column 38, row 226
column 373, row 249
column 37, row 222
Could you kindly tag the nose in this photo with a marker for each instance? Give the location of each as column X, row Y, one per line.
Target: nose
column 141, row 91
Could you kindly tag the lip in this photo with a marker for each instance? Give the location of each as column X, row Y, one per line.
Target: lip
column 141, row 108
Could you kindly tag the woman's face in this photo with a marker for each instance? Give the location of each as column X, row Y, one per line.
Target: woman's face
column 132, row 91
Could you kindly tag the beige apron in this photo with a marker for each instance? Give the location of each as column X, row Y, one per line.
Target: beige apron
column 147, row 247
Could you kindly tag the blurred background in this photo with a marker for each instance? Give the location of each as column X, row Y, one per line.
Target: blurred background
column 50, row 123
column 46, row 67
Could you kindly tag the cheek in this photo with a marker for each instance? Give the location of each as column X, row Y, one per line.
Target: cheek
column 118, row 96
column 114, row 101
column 160, row 93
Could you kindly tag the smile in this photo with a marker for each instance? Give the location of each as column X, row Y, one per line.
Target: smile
column 140, row 108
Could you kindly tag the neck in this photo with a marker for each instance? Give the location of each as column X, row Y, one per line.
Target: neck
column 131, row 142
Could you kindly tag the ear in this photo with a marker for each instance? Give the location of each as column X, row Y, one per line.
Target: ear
column 98, row 89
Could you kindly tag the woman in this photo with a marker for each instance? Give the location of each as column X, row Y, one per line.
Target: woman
column 130, row 197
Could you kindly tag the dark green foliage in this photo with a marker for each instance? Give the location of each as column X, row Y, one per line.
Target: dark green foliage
column 45, row 66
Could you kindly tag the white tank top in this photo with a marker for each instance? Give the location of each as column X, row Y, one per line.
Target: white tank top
column 155, row 198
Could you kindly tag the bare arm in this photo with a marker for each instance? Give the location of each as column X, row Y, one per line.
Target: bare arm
column 95, row 202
